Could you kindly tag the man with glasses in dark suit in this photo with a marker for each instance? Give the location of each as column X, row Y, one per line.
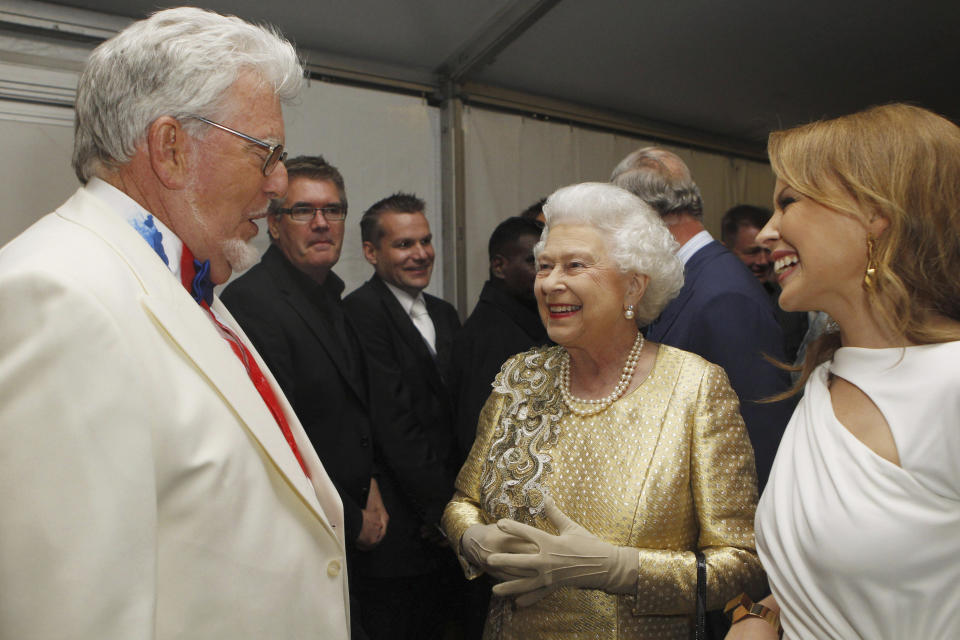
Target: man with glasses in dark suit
column 289, row 305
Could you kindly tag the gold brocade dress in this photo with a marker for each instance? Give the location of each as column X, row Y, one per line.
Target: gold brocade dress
column 667, row 469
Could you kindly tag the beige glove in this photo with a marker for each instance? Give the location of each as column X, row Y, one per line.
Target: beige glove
column 480, row 541
column 574, row 558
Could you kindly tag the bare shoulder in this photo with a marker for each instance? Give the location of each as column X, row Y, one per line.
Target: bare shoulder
column 861, row 417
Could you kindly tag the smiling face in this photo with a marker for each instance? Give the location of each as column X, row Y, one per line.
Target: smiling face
column 404, row 255
column 313, row 247
column 580, row 292
column 819, row 254
column 751, row 253
column 228, row 190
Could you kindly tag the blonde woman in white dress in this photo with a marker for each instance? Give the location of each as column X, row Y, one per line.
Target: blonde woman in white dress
column 859, row 527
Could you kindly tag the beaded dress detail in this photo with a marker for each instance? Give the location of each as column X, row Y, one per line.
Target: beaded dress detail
column 529, row 427
column 665, row 469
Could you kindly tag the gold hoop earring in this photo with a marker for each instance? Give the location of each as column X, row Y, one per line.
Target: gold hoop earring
column 870, row 276
column 628, row 312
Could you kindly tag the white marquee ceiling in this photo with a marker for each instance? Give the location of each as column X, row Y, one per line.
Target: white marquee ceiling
column 727, row 71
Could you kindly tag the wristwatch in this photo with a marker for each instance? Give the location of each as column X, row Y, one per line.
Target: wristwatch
column 742, row 607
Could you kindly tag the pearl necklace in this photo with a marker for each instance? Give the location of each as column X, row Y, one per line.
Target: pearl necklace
column 583, row 407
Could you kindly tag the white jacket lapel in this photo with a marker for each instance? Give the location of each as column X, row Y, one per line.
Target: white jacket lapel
column 323, row 490
column 189, row 326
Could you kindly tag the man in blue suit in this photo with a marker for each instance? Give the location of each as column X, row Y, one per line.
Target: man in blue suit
column 722, row 312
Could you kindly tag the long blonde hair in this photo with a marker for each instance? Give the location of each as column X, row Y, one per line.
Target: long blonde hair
column 902, row 163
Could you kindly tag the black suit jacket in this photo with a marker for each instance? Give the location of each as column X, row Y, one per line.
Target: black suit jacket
column 413, row 384
column 499, row 327
column 723, row 315
column 297, row 326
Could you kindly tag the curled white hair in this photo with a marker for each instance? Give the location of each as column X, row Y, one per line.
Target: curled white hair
column 637, row 239
column 177, row 62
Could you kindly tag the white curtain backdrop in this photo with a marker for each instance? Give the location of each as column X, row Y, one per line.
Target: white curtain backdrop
column 383, row 143
column 35, row 165
column 512, row 161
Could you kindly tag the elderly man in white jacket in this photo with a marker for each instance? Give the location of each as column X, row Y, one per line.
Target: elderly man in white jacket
column 154, row 482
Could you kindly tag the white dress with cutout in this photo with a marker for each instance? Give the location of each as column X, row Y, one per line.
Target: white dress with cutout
column 855, row 546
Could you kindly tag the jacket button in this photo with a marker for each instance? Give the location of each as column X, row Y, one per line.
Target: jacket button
column 364, row 441
column 333, row 568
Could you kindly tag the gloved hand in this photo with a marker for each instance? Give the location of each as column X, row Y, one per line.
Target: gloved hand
column 481, row 540
column 575, row 558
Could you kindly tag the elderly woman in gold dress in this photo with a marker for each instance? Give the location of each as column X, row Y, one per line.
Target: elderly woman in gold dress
column 602, row 463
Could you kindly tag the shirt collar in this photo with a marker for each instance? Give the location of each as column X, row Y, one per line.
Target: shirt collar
column 693, row 245
column 405, row 299
column 332, row 287
column 167, row 245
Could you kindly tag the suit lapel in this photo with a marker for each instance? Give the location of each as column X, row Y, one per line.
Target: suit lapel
column 318, row 489
column 411, row 336
column 691, row 272
column 444, row 333
column 311, row 316
column 189, row 326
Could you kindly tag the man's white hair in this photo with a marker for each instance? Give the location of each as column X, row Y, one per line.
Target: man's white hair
column 177, row 62
column 661, row 179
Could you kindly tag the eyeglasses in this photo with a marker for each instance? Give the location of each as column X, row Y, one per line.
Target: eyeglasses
column 275, row 152
column 305, row 212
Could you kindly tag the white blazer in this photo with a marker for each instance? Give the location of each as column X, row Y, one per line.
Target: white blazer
column 145, row 489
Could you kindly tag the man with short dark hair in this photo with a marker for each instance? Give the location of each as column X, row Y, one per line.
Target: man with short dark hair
column 721, row 313
column 738, row 230
column 534, row 211
column 504, row 322
column 409, row 335
column 289, row 305
column 154, row 481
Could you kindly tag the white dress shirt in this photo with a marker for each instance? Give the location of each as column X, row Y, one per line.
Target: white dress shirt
column 416, row 308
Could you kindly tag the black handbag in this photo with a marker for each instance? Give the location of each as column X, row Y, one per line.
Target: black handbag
column 709, row 625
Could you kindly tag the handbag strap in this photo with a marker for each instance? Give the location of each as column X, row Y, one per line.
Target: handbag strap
column 700, row 632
